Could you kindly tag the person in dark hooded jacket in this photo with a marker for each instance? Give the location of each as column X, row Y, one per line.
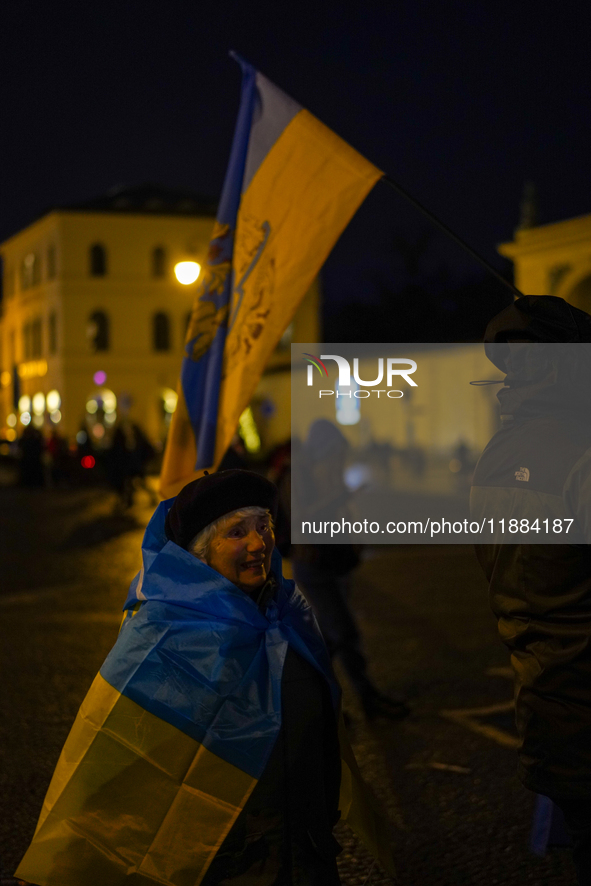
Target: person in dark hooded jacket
column 538, row 468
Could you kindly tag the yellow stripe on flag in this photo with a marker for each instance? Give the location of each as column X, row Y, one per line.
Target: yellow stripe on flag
column 360, row 809
column 180, row 455
column 304, row 194
column 299, row 201
column 133, row 801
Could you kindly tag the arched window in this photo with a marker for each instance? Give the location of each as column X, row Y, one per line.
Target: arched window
column 97, row 331
column 98, row 260
column 159, row 261
column 161, row 331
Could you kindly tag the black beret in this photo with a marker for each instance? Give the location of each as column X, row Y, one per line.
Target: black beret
column 202, row 501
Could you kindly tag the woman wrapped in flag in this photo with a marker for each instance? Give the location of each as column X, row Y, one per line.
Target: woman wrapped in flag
column 206, row 751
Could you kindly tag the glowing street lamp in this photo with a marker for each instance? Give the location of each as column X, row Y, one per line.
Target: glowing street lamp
column 187, row 272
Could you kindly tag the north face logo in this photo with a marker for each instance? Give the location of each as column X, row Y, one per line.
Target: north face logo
column 522, row 474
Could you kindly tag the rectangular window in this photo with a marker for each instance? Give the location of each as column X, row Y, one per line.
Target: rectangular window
column 51, row 262
column 52, row 333
column 37, row 338
column 27, row 341
column 30, row 271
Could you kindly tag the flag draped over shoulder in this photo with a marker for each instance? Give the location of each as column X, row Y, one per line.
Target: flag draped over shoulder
column 174, row 733
column 291, row 188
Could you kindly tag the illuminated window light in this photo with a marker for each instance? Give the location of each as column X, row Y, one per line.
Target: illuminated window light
column 5, row 378
column 109, row 401
column 33, row 369
column 24, row 404
column 10, row 435
column 99, row 377
column 55, row 416
column 98, row 431
column 25, row 418
column 170, row 399
column 39, row 403
column 248, row 431
column 53, row 400
column 11, row 420
column 91, row 406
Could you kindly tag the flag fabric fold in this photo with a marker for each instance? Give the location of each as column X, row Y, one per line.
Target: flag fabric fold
column 291, row 188
column 174, row 734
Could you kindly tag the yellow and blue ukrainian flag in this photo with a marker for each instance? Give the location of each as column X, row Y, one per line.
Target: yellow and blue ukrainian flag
column 177, row 728
column 291, row 188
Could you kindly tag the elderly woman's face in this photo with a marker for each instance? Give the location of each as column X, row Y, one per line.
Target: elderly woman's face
column 241, row 551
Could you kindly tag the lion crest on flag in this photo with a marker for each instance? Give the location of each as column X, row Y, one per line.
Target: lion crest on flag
column 253, row 290
column 210, row 309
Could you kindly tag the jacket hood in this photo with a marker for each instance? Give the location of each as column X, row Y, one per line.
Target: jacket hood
column 543, row 345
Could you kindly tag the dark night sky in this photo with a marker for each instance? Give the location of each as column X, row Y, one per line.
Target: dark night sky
column 460, row 102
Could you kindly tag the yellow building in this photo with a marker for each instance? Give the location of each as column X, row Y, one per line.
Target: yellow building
column 554, row 259
column 93, row 317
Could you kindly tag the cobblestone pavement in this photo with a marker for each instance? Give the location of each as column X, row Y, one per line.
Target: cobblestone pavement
column 445, row 775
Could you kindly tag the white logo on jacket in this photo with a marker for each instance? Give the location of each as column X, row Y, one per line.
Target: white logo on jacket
column 522, row 474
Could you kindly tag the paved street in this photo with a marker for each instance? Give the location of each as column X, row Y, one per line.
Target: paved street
column 446, row 774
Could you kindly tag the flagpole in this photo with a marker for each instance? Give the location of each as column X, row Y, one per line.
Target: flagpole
column 400, row 190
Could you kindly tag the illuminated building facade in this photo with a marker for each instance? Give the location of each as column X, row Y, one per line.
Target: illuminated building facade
column 554, row 259
column 93, row 317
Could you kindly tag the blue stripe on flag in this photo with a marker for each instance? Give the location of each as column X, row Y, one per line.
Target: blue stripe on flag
column 200, row 378
column 229, row 702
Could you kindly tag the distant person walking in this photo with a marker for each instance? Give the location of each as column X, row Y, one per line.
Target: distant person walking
column 31, row 448
column 128, row 457
column 57, row 447
column 323, row 571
